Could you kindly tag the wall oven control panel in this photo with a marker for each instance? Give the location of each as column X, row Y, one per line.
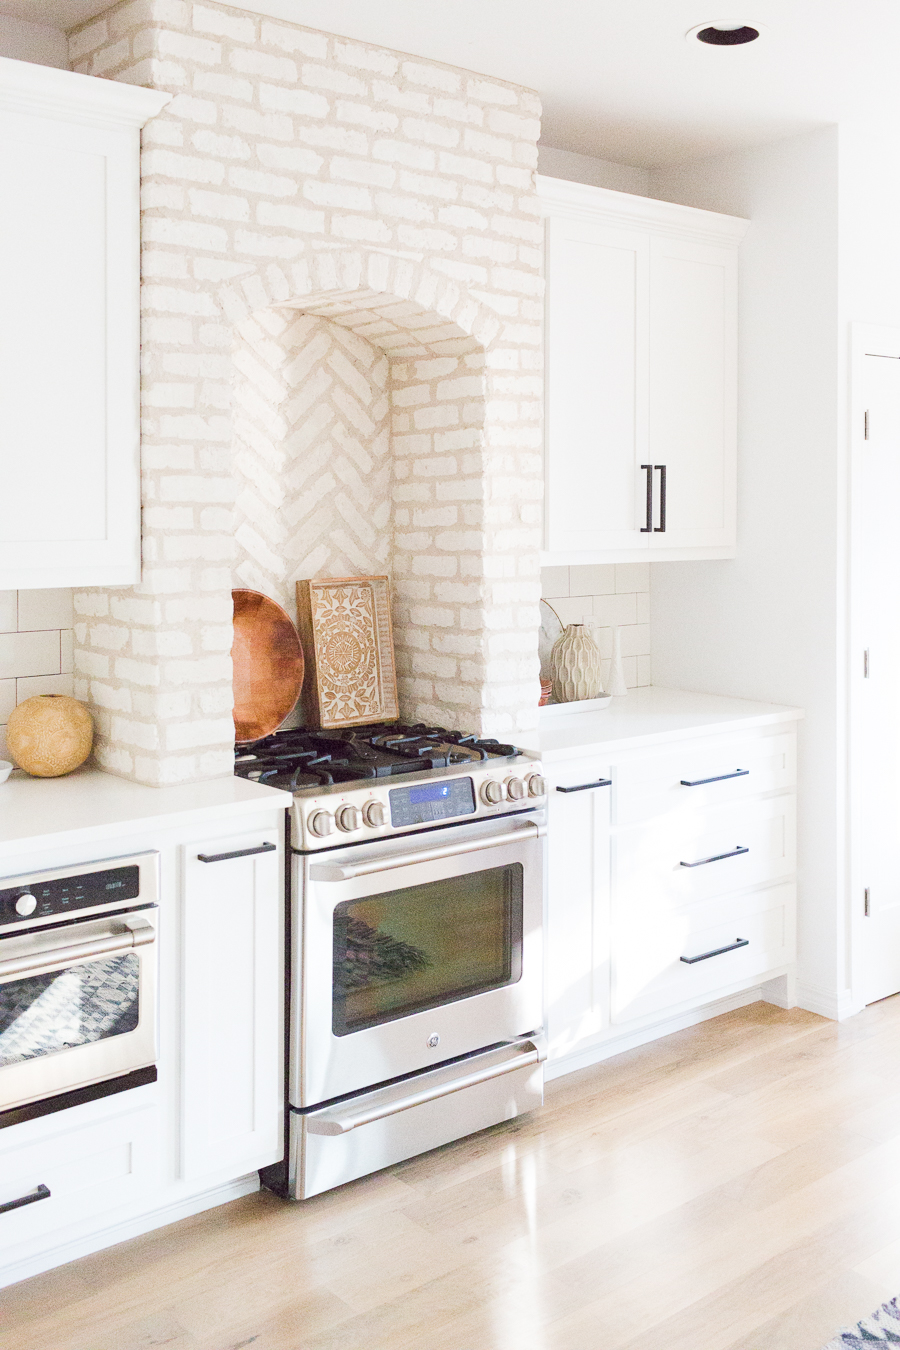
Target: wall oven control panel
column 60, row 896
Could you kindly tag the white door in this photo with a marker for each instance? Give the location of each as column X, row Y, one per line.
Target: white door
column 596, row 345
column 875, row 675
column 693, row 290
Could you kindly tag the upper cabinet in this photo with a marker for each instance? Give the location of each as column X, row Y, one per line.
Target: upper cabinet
column 69, row 327
column 641, row 374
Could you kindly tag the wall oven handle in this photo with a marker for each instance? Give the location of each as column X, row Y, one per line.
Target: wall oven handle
column 138, row 932
column 349, row 871
column 337, row 1122
column 39, row 1193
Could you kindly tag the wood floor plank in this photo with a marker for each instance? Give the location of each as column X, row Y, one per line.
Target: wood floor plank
column 725, row 1188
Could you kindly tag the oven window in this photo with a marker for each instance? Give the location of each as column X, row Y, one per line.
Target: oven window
column 62, row 1009
column 404, row 951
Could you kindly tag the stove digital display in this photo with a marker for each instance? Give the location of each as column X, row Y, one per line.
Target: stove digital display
column 432, row 801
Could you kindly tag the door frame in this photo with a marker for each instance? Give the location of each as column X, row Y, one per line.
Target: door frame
column 865, row 339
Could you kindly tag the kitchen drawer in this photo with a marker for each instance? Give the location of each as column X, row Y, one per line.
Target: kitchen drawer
column 701, row 772
column 648, row 973
column 689, row 856
column 87, row 1170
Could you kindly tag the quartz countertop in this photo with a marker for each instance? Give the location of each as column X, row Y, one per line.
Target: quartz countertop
column 650, row 716
column 89, row 805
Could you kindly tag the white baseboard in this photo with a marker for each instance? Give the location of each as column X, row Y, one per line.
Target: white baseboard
column 128, row 1228
column 629, row 1040
column 836, row 1005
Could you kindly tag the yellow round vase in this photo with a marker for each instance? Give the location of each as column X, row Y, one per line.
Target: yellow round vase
column 50, row 735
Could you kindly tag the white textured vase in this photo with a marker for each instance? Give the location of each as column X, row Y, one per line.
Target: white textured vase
column 617, row 683
column 575, row 666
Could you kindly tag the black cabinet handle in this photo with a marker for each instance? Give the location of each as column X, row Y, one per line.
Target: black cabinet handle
column 238, row 853
column 648, row 525
column 704, row 956
column 585, row 787
column 40, row 1193
column 661, row 527
column 720, row 778
column 718, row 857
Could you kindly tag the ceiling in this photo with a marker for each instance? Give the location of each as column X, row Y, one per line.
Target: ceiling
column 617, row 77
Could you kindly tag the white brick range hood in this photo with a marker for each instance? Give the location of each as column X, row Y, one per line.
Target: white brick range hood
column 341, row 371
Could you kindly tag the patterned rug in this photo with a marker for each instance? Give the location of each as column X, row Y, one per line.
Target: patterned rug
column 882, row 1328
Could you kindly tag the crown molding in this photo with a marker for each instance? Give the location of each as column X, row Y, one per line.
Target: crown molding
column 581, row 200
column 47, row 92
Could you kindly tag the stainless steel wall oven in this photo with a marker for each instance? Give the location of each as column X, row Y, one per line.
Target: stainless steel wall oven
column 78, row 984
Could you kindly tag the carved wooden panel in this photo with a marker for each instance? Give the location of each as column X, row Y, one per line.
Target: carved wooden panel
column 345, row 626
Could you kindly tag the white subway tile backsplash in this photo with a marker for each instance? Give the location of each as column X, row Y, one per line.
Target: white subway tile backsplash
column 635, row 639
column 8, row 611
column 598, row 579
column 7, row 699
column 4, row 749
column 632, row 577
column 34, row 685
column 612, row 610
column 643, row 607
column 555, row 581
column 573, row 609
column 67, row 646
column 45, row 609
column 29, row 654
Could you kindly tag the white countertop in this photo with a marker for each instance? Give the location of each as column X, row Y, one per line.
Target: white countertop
column 650, row 716
column 89, row 805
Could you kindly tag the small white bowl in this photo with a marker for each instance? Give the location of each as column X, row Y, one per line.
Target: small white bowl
column 5, row 769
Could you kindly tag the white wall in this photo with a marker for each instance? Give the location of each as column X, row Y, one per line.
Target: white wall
column 575, row 168
column 37, row 42
column 768, row 625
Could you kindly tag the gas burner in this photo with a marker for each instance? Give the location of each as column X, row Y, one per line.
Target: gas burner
column 302, row 758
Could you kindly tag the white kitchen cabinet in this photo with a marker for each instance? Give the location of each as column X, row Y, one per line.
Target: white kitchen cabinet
column 672, row 886
column 641, row 377
column 577, row 946
column 69, row 327
column 233, row 1000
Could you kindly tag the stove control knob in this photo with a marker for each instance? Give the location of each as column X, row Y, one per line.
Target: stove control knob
column 373, row 814
column 321, row 823
column 515, row 789
column 347, row 818
column 26, row 904
column 492, row 792
column 537, row 785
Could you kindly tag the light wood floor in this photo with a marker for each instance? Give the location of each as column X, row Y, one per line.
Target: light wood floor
column 733, row 1187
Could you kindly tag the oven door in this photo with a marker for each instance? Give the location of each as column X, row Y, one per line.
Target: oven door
column 414, row 951
column 77, row 1004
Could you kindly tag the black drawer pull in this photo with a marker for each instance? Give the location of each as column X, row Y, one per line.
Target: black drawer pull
column 717, row 857
column 40, row 1193
column 720, row 778
column 585, row 787
column 238, row 853
column 704, row 956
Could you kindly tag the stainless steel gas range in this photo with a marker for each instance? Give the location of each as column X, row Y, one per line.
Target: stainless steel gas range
column 416, row 963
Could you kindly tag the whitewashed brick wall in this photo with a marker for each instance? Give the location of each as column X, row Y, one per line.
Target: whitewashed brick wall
column 302, row 190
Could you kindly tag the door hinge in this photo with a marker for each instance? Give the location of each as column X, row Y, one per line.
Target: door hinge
column 866, row 902
column 866, row 425
column 866, row 664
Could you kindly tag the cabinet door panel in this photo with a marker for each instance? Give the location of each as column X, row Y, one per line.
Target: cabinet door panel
column 577, row 985
column 233, row 989
column 597, row 317
column 692, row 391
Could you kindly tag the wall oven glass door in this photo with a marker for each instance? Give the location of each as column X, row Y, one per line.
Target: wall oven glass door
column 77, row 1004
column 413, row 952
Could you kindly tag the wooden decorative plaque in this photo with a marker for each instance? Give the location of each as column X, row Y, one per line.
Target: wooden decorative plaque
column 345, row 627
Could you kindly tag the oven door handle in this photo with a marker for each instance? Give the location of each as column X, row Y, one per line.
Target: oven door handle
column 138, row 932
column 387, row 863
column 341, row 1120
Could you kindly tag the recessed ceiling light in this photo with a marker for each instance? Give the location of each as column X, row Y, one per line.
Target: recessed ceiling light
column 724, row 34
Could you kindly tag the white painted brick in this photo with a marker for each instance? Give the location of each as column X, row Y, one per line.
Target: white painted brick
column 333, row 194
column 274, row 126
column 335, row 138
column 218, row 205
column 423, row 129
column 360, row 227
column 240, row 28
column 260, row 63
column 293, row 100
column 223, row 147
column 466, row 167
column 432, row 77
column 265, row 246
column 170, row 299
column 159, row 132
column 366, row 58
column 162, row 197
column 290, row 217
column 211, row 82
column 398, row 152
column 186, row 234
column 168, row 164
column 193, row 109
column 252, row 180
column 182, row 47
column 486, row 92
column 362, row 171
column 294, row 40
column 362, row 115
column 289, row 158
column 86, row 40
column 430, row 186
column 429, row 240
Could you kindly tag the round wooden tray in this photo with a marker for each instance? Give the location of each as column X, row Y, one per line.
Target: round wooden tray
column 268, row 665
